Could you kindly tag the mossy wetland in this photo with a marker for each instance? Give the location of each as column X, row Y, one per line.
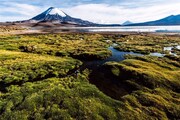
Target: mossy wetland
column 72, row 76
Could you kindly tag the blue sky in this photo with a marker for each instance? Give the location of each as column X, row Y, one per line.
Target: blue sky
column 99, row 11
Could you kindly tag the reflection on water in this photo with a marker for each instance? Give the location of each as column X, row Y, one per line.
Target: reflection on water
column 119, row 56
column 116, row 56
column 157, row 54
column 178, row 47
column 170, row 49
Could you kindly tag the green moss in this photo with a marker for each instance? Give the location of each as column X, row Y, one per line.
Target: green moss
column 17, row 66
column 58, row 99
column 82, row 46
column 156, row 86
column 146, row 44
column 34, row 84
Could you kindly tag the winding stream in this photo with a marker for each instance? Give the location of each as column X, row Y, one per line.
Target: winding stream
column 97, row 75
column 169, row 49
column 112, row 87
column 116, row 56
column 119, row 56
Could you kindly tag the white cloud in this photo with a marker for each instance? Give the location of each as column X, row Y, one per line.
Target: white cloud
column 117, row 14
column 99, row 13
column 12, row 18
column 11, row 11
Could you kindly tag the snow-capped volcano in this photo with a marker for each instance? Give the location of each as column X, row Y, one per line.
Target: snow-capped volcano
column 55, row 11
column 55, row 14
column 51, row 14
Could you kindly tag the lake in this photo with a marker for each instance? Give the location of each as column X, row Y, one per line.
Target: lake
column 136, row 29
column 173, row 29
column 150, row 29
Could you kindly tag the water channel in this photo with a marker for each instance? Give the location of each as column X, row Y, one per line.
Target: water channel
column 98, row 73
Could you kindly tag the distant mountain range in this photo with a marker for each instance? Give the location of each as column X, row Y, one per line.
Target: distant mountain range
column 170, row 20
column 127, row 23
column 55, row 15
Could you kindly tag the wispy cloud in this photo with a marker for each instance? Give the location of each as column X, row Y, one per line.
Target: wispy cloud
column 117, row 14
column 17, row 11
column 99, row 11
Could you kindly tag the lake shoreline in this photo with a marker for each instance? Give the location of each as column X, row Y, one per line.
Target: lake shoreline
column 124, row 30
column 23, row 32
